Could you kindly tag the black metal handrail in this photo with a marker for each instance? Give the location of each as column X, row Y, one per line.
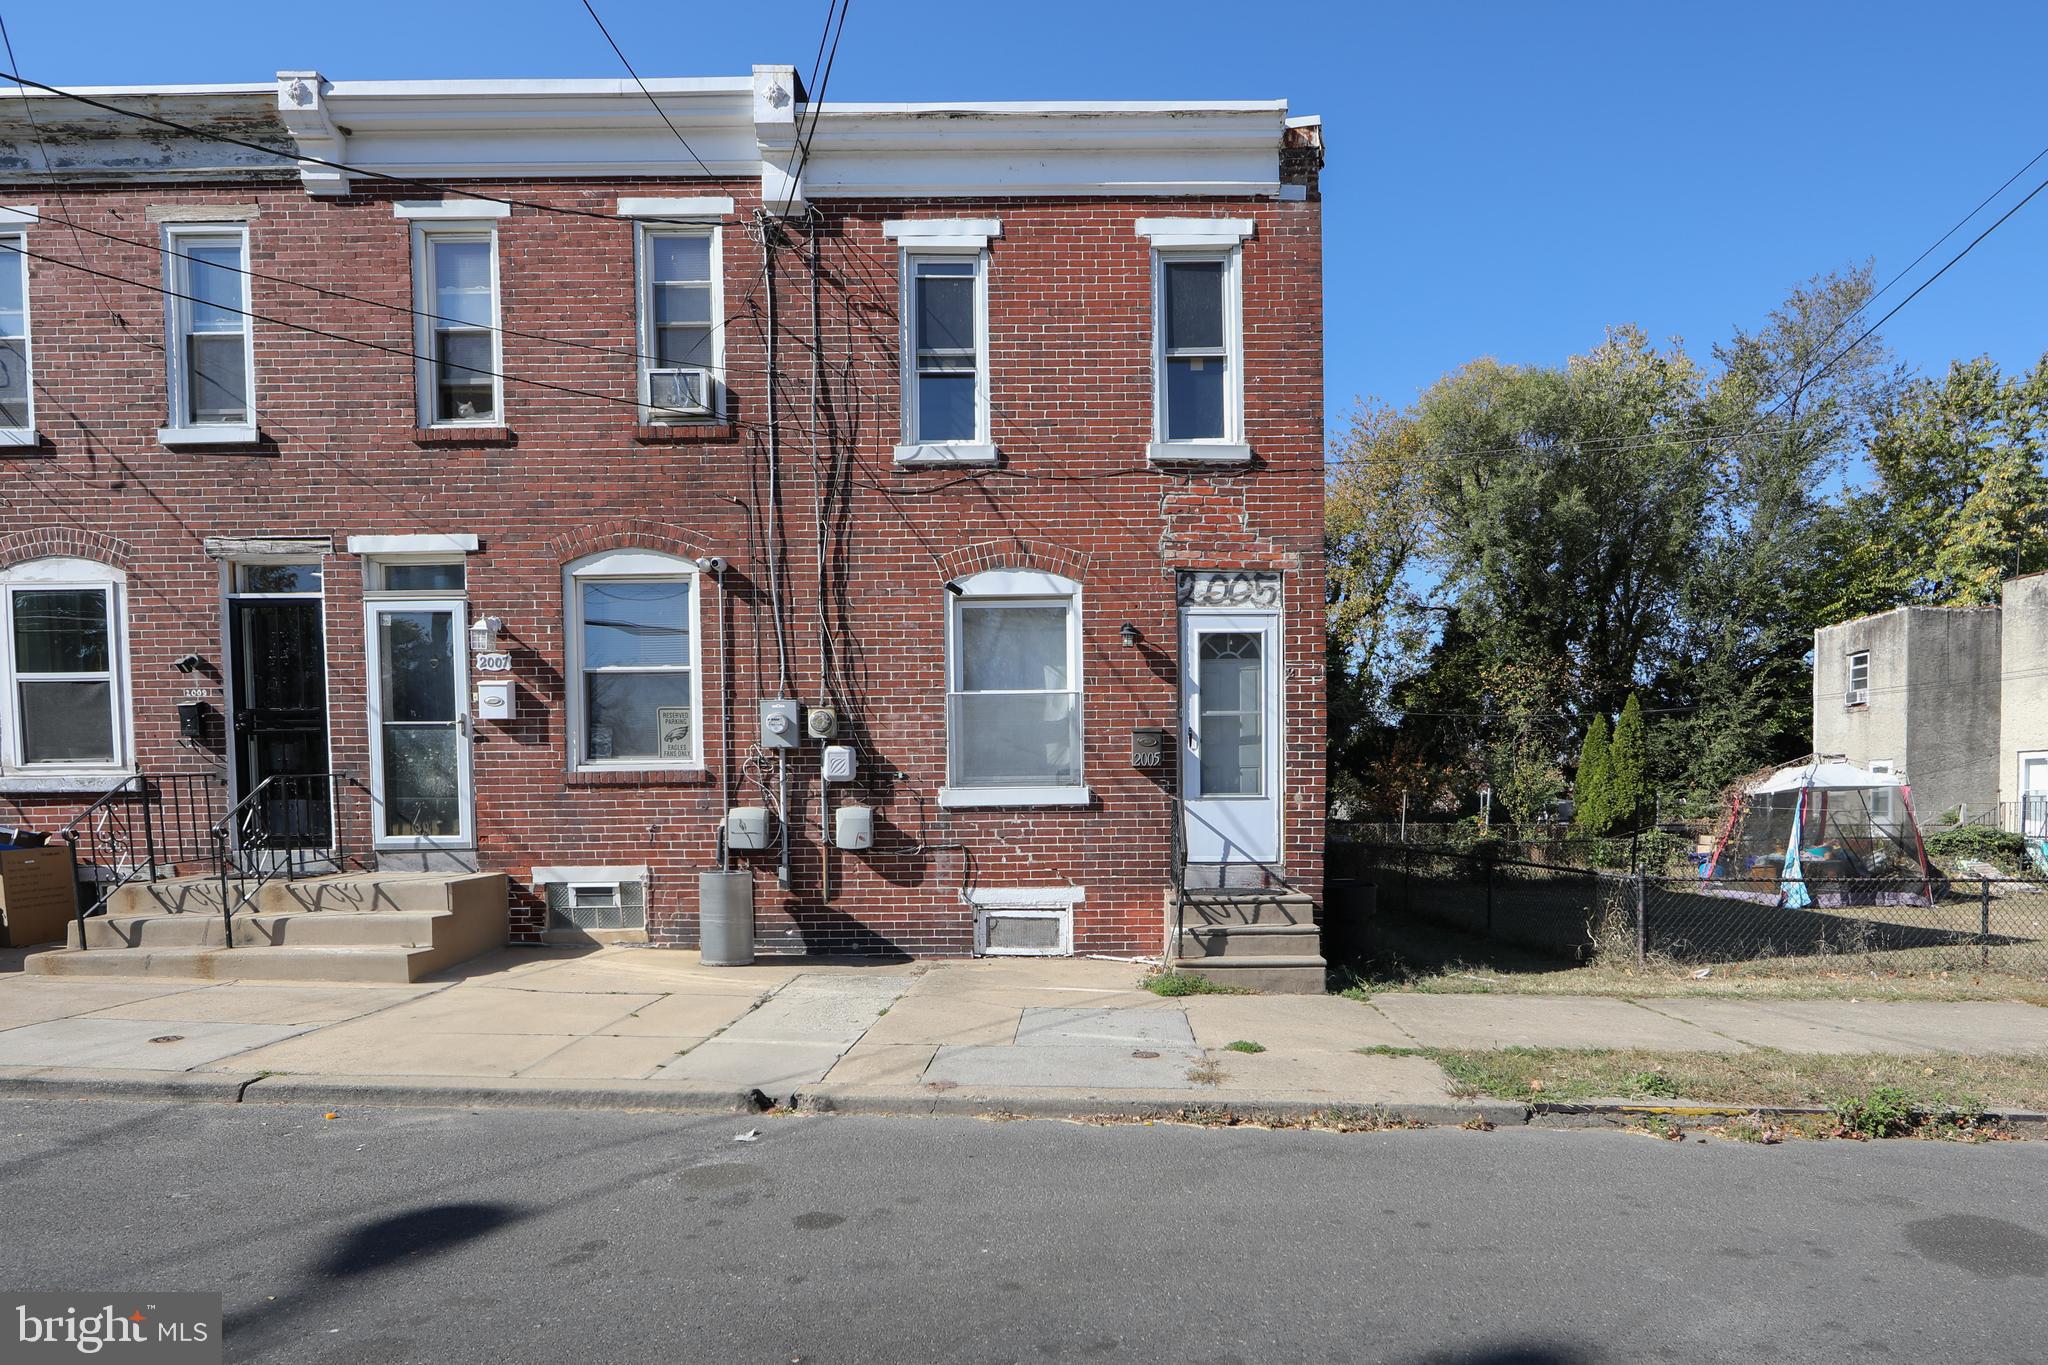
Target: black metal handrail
column 140, row 827
column 289, row 825
column 1177, row 875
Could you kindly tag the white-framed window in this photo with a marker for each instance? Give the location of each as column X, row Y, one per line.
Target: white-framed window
column 1197, row 338
column 1858, row 693
column 586, row 900
column 63, row 662
column 1013, row 691
column 943, row 340
column 17, row 391
column 455, row 293
column 416, row 576
column 209, row 344
column 633, row 661
column 1881, row 812
column 681, row 343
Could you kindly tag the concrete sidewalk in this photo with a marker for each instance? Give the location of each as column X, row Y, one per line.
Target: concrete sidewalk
column 633, row 1027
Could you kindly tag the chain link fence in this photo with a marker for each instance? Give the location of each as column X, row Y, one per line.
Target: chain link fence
column 1579, row 913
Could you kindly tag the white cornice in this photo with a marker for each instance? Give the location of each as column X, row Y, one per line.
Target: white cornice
column 737, row 127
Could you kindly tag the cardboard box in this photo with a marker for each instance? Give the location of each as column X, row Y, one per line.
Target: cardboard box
column 38, row 895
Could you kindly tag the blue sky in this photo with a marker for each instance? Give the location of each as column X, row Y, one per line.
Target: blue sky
column 1504, row 179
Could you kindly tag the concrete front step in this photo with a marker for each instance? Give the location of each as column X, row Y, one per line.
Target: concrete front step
column 362, row 892
column 1201, row 908
column 355, row 927
column 387, row 964
column 1251, row 940
column 1275, row 975
column 329, row 929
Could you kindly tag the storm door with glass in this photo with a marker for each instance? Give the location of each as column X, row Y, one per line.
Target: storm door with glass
column 1230, row 765
column 419, row 741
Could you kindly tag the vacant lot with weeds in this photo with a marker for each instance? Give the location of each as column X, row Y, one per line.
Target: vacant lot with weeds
column 1856, row 1083
column 1416, row 956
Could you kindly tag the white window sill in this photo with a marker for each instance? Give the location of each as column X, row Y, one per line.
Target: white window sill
column 20, row 436
column 207, row 436
column 969, row 797
column 947, row 452
column 22, row 782
column 1198, row 452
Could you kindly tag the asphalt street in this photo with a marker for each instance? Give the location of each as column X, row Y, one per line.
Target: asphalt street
column 514, row 1236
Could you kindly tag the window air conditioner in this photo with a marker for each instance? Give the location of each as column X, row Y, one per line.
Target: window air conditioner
column 1859, row 696
column 679, row 392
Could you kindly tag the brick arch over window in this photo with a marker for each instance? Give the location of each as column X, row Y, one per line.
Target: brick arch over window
column 625, row 535
column 64, row 542
column 1013, row 554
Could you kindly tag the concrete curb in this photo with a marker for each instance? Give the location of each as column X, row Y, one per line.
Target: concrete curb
column 1617, row 1114
column 512, row 1092
column 56, row 1082
column 1169, row 1104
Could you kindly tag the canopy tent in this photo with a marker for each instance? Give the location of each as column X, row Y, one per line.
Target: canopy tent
column 1826, row 832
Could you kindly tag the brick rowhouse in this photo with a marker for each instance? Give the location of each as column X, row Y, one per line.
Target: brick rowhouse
column 840, row 528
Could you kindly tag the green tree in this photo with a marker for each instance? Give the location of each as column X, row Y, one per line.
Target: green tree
column 1961, row 502
column 1566, row 505
column 1628, row 766
column 1792, row 406
column 1592, row 786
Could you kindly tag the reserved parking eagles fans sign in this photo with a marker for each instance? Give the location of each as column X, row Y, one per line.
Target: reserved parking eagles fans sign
column 167, row 1329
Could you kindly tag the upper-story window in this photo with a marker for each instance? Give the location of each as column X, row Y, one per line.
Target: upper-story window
column 17, row 393
column 1859, row 679
column 1197, row 331
column 679, row 335
column 61, row 643
column 209, row 350
column 944, row 342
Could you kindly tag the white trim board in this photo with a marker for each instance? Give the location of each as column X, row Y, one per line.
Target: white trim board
column 456, row 210
column 701, row 208
column 1025, row 897
column 942, row 234
column 1213, row 232
column 434, row 544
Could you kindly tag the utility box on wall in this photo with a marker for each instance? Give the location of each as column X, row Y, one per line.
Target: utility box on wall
column 495, row 700
column 748, row 827
column 853, row 827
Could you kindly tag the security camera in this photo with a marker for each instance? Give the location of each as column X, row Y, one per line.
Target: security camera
column 188, row 664
column 711, row 563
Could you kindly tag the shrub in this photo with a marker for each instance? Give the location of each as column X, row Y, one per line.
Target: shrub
column 2007, row 852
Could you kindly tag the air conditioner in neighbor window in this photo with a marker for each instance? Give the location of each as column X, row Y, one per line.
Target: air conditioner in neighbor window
column 1859, row 696
column 682, row 392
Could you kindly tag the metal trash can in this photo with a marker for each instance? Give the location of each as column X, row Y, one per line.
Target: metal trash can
column 725, row 918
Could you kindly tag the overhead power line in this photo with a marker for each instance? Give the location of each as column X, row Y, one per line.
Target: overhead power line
column 627, row 63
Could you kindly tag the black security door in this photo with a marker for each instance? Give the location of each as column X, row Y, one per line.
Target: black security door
column 280, row 714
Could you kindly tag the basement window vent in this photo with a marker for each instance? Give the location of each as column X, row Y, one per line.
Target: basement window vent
column 1010, row 923
column 597, row 905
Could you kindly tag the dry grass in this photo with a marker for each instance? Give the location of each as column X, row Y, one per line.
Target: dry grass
column 1760, row 1077
column 1421, row 957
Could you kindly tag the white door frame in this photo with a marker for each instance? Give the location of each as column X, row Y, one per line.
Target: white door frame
column 1231, row 829
column 2040, row 824
column 457, row 610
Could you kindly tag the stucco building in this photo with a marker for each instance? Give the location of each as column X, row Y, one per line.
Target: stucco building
column 1953, row 699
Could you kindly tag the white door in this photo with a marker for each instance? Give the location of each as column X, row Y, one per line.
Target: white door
column 1230, row 742
column 2034, row 794
column 419, row 723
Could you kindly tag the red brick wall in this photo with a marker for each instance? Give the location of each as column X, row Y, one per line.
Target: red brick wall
column 1070, row 324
